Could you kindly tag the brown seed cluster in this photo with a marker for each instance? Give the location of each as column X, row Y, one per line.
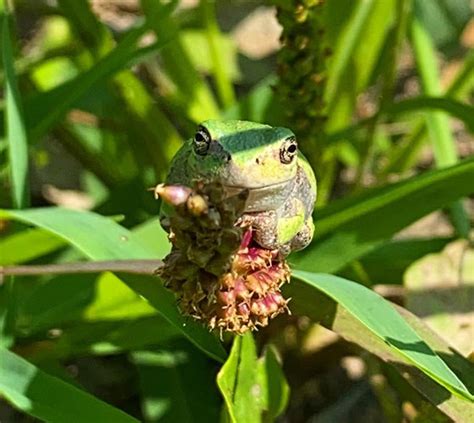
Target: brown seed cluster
column 218, row 273
column 302, row 69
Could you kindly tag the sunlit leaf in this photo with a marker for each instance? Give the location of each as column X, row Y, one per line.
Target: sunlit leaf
column 48, row 398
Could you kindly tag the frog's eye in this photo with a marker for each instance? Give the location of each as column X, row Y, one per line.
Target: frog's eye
column 202, row 140
column 288, row 150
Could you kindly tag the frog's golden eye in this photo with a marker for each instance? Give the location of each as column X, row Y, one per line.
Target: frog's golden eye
column 202, row 140
column 288, row 150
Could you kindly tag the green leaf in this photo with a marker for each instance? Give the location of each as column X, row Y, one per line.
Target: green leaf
column 27, row 245
column 153, row 236
column 45, row 109
column 239, row 382
column 100, row 238
column 350, row 228
column 192, row 91
column 442, row 140
column 383, row 320
column 14, row 122
column 311, row 302
column 275, row 386
column 48, row 398
column 388, row 262
column 253, row 389
column 463, row 112
column 344, row 50
column 445, row 20
column 176, row 384
column 104, row 338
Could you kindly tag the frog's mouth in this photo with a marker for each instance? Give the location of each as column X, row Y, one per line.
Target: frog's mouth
column 269, row 197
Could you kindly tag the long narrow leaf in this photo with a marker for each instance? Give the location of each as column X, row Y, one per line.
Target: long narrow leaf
column 350, row 228
column 311, row 302
column 100, row 238
column 463, row 112
column 14, row 123
column 51, row 399
column 444, row 147
column 348, row 41
column 383, row 320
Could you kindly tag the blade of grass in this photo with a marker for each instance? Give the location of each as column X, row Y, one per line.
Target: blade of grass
column 193, row 92
column 405, row 153
column 223, row 82
column 349, row 40
column 382, row 319
column 350, row 228
column 461, row 111
column 443, row 143
column 48, row 398
column 311, row 302
column 395, row 37
column 18, row 159
column 152, row 124
column 14, row 122
column 45, row 109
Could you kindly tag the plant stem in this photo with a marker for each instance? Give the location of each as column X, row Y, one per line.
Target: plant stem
column 443, row 143
column 136, row 267
column 397, row 33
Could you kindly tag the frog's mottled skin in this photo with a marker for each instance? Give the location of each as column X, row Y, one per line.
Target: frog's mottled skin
column 248, row 155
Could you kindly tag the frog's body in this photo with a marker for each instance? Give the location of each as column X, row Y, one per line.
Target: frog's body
column 265, row 161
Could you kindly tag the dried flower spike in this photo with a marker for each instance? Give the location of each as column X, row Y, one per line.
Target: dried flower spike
column 218, row 273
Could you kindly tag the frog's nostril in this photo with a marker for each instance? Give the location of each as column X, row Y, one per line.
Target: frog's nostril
column 257, row 160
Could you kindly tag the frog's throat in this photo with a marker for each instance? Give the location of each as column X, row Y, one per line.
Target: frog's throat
column 265, row 198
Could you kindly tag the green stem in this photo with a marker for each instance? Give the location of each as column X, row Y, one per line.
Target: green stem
column 397, row 34
column 224, row 85
column 438, row 124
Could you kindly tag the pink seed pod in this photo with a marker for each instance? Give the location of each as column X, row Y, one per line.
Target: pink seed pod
column 241, row 290
column 243, row 310
column 226, row 298
column 256, row 284
column 258, row 308
column 174, row 195
column 271, row 304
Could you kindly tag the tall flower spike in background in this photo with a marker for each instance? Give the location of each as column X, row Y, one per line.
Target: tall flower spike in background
column 302, row 65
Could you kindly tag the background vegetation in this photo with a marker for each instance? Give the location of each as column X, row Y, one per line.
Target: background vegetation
column 97, row 97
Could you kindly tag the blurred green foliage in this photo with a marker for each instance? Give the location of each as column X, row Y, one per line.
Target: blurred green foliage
column 96, row 99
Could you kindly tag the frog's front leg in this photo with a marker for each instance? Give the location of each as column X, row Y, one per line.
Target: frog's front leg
column 267, row 228
column 264, row 228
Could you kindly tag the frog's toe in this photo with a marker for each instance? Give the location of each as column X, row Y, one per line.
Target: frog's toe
column 304, row 237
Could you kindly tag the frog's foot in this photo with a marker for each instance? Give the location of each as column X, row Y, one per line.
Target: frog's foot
column 263, row 227
column 303, row 237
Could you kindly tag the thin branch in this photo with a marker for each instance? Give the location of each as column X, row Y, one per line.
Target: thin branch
column 137, row 267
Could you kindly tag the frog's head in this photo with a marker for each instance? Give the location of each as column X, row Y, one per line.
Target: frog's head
column 247, row 155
